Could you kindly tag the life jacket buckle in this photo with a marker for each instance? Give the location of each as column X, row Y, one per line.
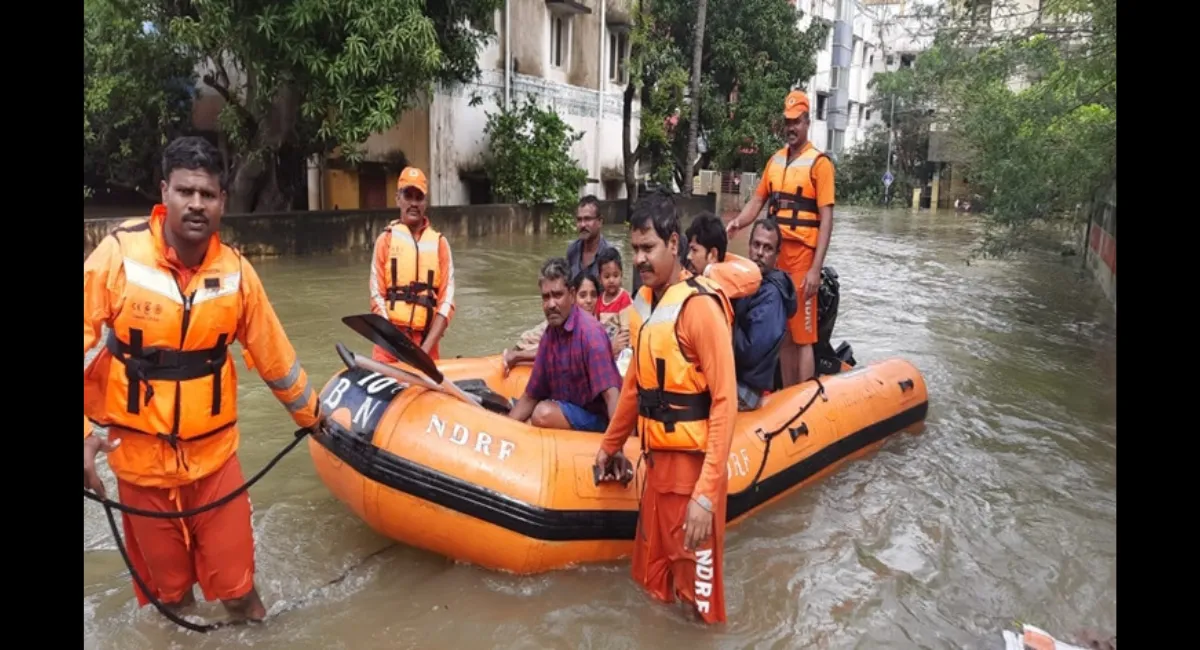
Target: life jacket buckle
column 136, row 374
column 660, row 400
column 171, row 439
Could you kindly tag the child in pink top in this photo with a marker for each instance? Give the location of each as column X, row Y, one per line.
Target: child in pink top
column 614, row 303
column 615, row 298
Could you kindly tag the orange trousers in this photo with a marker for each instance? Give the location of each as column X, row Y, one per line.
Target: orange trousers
column 666, row 569
column 214, row 548
column 796, row 260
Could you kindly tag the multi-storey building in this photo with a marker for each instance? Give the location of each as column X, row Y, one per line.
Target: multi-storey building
column 570, row 55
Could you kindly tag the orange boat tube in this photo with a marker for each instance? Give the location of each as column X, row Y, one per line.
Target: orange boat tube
column 427, row 469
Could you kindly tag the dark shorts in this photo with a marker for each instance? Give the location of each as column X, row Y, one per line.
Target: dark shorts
column 582, row 419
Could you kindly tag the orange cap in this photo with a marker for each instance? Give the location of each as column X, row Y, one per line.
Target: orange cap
column 412, row 177
column 795, row 104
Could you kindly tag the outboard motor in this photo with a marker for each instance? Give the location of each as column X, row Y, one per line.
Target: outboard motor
column 828, row 297
column 828, row 360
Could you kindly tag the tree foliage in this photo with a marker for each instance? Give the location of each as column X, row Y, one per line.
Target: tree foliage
column 754, row 58
column 694, row 92
column 306, row 77
column 1030, row 100
column 136, row 97
column 753, row 54
column 907, row 106
column 529, row 160
column 859, row 172
column 659, row 79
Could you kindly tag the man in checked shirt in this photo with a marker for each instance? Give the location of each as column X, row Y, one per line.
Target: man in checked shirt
column 574, row 383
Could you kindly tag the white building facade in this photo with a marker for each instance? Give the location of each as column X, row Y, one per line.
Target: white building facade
column 569, row 55
column 866, row 46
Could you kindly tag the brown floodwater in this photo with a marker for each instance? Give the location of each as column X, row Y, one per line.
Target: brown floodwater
column 1003, row 509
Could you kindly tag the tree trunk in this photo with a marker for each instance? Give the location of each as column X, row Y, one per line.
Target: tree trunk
column 694, row 123
column 631, row 156
column 631, row 159
column 255, row 186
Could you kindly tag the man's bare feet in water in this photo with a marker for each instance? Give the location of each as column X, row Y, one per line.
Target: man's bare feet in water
column 185, row 604
column 248, row 608
column 1096, row 640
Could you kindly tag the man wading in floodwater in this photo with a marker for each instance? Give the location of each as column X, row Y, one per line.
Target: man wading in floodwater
column 170, row 405
column 412, row 275
column 681, row 394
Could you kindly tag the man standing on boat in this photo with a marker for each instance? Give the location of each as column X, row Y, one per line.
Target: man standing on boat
column 412, row 277
column 680, row 394
column 173, row 298
column 798, row 189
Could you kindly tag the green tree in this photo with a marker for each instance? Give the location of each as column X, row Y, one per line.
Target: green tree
column 754, row 58
column 1031, row 100
column 859, row 176
column 907, row 105
column 753, row 53
column 659, row 80
column 306, row 77
column 136, row 97
column 529, row 160
column 695, row 98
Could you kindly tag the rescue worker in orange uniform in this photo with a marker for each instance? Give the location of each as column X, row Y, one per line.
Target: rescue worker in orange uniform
column 797, row 188
column 680, row 395
column 412, row 278
column 174, row 299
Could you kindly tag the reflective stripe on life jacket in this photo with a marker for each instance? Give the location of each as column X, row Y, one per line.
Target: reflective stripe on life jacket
column 673, row 397
column 792, row 197
column 166, row 360
column 415, row 276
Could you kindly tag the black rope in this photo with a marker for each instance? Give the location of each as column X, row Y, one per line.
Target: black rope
column 345, row 574
column 768, row 437
column 110, row 505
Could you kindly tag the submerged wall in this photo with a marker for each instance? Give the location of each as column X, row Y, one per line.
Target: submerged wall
column 337, row 231
column 1101, row 253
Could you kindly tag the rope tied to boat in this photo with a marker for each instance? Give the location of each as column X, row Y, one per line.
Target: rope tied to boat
column 796, row 432
column 110, row 505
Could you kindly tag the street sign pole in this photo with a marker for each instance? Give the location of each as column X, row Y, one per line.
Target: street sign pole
column 887, row 177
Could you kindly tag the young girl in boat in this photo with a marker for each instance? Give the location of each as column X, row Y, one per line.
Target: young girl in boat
column 614, row 299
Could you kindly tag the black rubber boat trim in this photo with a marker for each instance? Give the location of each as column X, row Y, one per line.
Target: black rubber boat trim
column 546, row 524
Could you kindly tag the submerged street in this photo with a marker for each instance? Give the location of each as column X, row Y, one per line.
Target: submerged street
column 1003, row 509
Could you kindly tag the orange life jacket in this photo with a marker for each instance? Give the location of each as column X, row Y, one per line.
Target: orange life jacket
column 165, row 369
column 793, row 195
column 415, row 277
column 737, row 276
column 673, row 396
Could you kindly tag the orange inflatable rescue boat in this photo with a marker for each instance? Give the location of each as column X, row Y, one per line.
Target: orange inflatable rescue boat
column 427, row 456
column 429, row 470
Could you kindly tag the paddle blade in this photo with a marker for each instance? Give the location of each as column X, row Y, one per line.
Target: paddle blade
column 381, row 332
column 346, row 355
